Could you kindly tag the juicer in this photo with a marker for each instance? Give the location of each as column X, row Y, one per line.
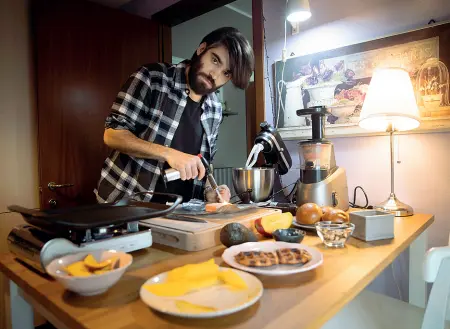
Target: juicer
column 321, row 181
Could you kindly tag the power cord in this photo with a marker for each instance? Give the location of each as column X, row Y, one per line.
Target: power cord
column 281, row 84
column 270, row 197
column 281, row 190
column 267, row 70
column 354, row 205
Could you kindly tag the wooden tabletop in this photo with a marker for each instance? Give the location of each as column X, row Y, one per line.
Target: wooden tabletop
column 305, row 300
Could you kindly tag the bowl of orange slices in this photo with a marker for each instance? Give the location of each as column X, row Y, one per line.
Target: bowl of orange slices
column 90, row 273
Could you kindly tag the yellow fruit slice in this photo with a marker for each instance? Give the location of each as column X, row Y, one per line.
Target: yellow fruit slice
column 180, row 288
column 203, row 283
column 78, row 269
column 233, row 279
column 103, row 270
column 90, row 262
column 194, row 271
column 168, row 289
column 186, row 307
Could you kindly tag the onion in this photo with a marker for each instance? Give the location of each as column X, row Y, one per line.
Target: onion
column 309, row 213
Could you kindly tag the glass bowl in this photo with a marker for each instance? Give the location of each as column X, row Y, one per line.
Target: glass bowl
column 334, row 234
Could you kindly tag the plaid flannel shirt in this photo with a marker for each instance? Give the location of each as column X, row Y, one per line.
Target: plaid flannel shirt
column 150, row 105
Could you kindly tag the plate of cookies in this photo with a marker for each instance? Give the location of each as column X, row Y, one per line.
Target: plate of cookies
column 273, row 257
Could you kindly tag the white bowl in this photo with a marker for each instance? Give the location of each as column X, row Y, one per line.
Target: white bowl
column 322, row 92
column 96, row 283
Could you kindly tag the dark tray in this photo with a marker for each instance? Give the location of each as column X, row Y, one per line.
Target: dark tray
column 130, row 209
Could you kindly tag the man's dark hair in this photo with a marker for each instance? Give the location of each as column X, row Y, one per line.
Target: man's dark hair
column 240, row 51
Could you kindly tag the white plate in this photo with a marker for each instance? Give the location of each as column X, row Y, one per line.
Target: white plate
column 307, row 227
column 229, row 254
column 224, row 300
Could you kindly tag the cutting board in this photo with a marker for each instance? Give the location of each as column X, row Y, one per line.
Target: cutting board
column 193, row 236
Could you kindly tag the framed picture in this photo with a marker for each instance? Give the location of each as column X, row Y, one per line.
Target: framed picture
column 338, row 79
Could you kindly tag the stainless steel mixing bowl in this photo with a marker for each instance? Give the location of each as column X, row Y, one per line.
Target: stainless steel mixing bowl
column 258, row 180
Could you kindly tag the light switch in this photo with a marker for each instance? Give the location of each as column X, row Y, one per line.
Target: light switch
column 295, row 28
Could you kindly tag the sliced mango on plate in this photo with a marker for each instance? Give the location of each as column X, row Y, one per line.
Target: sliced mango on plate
column 186, row 307
column 168, row 289
column 193, row 271
column 181, row 288
column 233, row 279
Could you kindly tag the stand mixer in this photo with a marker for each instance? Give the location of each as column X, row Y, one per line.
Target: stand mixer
column 256, row 184
column 321, row 181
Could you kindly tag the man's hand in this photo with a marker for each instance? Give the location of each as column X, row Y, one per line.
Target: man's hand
column 189, row 166
column 211, row 195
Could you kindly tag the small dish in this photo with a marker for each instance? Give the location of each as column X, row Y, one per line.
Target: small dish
column 94, row 284
column 334, row 234
column 291, row 235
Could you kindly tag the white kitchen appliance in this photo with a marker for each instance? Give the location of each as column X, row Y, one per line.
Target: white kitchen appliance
column 321, row 180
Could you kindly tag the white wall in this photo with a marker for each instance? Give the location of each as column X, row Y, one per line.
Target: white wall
column 232, row 147
column 18, row 151
column 18, row 165
column 423, row 176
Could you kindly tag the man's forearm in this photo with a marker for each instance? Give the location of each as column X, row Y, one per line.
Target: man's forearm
column 124, row 141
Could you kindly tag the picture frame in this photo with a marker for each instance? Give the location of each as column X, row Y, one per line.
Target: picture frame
column 339, row 78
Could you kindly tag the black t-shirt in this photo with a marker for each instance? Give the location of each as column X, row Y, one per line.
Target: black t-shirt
column 187, row 139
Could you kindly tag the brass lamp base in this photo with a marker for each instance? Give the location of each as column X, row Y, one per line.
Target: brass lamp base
column 395, row 206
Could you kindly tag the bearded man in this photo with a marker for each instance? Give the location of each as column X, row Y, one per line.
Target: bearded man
column 165, row 115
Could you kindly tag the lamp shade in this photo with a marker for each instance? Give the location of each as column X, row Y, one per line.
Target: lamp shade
column 390, row 102
column 298, row 11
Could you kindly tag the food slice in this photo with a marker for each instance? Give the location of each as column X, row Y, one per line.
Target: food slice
column 78, row 269
column 180, row 288
column 186, row 307
column 213, row 207
column 266, row 225
column 168, row 289
column 91, row 263
column 103, row 270
column 194, row 271
column 233, row 279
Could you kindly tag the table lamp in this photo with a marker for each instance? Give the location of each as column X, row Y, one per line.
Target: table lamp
column 390, row 106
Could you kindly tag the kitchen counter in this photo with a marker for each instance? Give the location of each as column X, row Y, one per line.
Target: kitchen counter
column 305, row 300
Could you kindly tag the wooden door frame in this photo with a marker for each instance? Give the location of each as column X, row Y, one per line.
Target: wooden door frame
column 258, row 111
column 188, row 9
column 165, row 43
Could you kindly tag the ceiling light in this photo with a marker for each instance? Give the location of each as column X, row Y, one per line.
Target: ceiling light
column 298, row 11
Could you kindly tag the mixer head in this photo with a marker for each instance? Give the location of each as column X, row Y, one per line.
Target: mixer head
column 274, row 150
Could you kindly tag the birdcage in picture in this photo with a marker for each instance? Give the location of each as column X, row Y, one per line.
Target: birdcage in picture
column 432, row 85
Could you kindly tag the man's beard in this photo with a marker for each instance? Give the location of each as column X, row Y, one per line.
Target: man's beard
column 194, row 80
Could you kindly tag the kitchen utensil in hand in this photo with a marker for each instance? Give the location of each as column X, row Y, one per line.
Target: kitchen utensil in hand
column 210, row 178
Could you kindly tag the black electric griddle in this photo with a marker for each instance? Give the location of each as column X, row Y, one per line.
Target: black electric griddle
column 100, row 215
